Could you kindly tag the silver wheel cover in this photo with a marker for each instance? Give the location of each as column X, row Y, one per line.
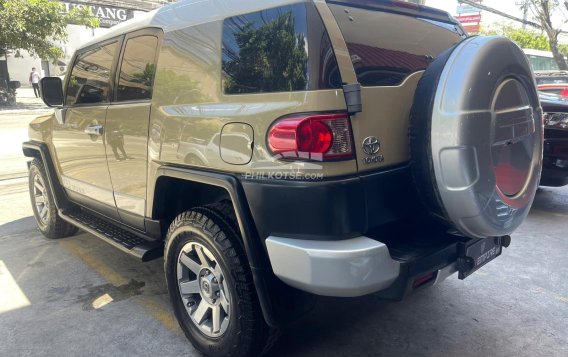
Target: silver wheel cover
column 486, row 137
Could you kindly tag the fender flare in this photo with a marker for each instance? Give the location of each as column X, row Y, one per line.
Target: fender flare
column 267, row 285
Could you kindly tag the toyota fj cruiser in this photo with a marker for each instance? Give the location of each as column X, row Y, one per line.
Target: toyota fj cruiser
column 278, row 150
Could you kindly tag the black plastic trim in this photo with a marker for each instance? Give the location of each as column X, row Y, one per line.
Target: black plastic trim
column 280, row 303
column 59, row 195
column 143, row 249
column 334, row 209
column 64, row 202
column 97, row 206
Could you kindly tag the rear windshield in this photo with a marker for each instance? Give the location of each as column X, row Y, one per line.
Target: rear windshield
column 386, row 47
column 552, row 80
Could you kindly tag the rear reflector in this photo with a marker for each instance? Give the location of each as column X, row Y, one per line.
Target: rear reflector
column 312, row 136
column 422, row 280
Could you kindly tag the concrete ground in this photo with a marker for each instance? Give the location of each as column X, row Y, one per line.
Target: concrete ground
column 79, row 296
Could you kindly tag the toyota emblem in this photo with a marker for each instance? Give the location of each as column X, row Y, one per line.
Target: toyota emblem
column 371, row 145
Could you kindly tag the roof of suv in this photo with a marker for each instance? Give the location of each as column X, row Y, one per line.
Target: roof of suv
column 180, row 14
column 194, row 12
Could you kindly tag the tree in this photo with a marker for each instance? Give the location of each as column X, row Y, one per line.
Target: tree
column 271, row 58
column 37, row 25
column 543, row 11
column 522, row 37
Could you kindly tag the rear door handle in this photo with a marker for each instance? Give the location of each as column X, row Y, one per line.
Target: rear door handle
column 94, row 130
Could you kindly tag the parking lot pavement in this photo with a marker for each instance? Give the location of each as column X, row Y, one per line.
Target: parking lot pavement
column 14, row 130
column 80, row 296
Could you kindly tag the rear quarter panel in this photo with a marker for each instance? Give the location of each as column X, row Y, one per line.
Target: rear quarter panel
column 189, row 100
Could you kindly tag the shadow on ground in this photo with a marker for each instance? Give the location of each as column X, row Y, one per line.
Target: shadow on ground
column 23, row 106
column 20, row 226
column 551, row 199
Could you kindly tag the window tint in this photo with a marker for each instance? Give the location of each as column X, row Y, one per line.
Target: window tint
column 385, row 48
column 137, row 69
column 278, row 50
column 90, row 78
column 541, row 63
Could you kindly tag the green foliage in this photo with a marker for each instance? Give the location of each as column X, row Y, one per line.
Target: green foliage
column 146, row 76
column 271, row 58
column 7, row 96
column 37, row 25
column 177, row 88
column 550, row 16
column 522, row 37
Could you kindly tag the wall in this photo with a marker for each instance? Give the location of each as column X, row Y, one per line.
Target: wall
column 20, row 68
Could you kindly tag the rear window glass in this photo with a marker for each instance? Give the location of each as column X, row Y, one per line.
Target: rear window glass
column 278, row 50
column 541, row 63
column 137, row 69
column 386, row 48
column 551, row 80
column 90, row 78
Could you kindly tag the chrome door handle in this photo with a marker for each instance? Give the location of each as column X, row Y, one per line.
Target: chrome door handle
column 94, row 130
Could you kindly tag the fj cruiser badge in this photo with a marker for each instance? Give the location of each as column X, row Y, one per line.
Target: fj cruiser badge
column 371, row 147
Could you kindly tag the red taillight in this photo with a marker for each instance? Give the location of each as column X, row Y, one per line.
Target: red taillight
column 564, row 93
column 315, row 137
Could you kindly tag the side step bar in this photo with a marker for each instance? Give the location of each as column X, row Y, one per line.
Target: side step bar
column 118, row 237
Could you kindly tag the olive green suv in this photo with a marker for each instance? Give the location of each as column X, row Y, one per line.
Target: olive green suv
column 281, row 150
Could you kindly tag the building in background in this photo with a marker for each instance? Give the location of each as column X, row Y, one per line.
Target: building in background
column 109, row 12
column 470, row 17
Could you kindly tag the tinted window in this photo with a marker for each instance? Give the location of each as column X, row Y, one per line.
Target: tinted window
column 137, row 69
column 275, row 50
column 541, row 63
column 386, row 48
column 544, row 79
column 90, row 78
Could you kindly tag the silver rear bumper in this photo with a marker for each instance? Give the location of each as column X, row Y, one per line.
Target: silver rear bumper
column 346, row 268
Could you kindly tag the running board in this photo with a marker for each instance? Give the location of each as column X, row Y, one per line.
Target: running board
column 116, row 236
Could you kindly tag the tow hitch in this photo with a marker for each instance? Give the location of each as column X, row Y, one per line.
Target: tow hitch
column 475, row 254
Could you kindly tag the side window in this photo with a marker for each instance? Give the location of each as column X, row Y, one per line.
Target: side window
column 278, row 50
column 137, row 69
column 90, row 77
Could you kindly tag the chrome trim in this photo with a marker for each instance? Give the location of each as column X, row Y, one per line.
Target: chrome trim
column 94, row 130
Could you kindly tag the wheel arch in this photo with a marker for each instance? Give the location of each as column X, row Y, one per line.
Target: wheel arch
column 40, row 151
column 267, row 285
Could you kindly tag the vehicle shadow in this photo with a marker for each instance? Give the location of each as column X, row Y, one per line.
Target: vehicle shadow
column 23, row 106
column 423, row 324
column 551, row 199
column 19, row 226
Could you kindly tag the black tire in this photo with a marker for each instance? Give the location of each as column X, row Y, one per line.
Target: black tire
column 215, row 228
column 48, row 221
column 420, row 145
column 472, row 170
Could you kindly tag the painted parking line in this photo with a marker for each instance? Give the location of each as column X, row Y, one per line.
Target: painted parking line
column 152, row 305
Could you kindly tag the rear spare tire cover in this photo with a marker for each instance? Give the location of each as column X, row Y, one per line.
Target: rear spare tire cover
column 476, row 137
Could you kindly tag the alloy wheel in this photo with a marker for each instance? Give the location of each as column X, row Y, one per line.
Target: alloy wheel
column 203, row 289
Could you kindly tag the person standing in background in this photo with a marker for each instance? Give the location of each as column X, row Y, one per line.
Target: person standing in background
column 34, row 81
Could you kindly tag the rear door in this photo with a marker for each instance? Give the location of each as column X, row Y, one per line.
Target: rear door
column 79, row 139
column 127, row 124
column 389, row 46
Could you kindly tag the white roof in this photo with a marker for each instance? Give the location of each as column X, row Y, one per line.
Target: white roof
column 190, row 13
